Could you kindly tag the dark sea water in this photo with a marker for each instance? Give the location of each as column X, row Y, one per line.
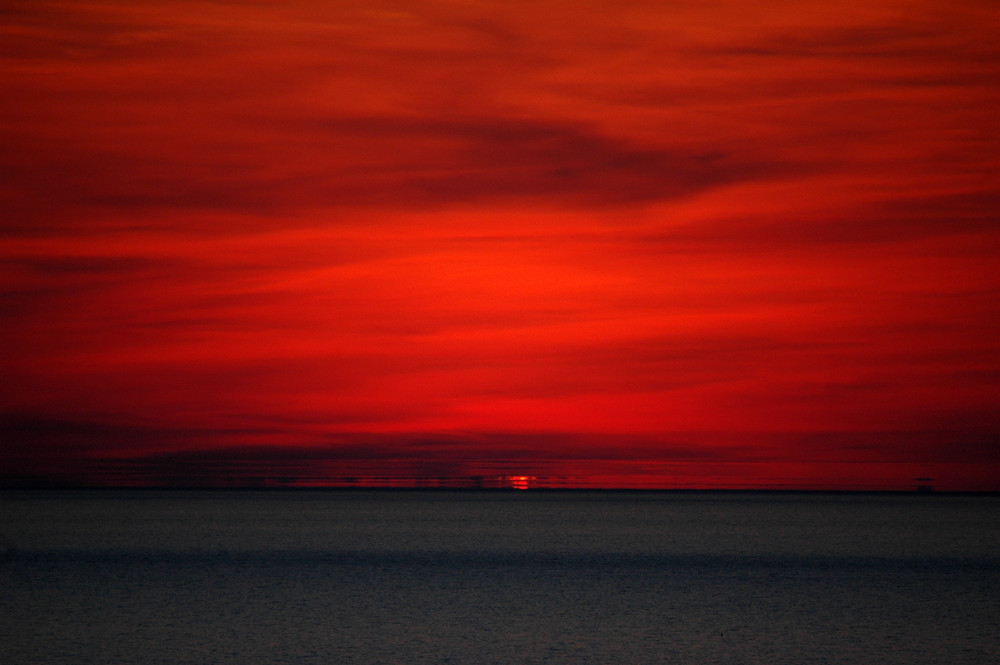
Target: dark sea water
column 498, row 577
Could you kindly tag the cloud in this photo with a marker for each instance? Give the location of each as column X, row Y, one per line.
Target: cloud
column 405, row 164
column 499, row 159
column 87, row 436
column 927, row 218
column 147, row 112
column 490, row 459
column 373, row 230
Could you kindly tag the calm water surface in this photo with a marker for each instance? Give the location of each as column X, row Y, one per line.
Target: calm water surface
column 498, row 577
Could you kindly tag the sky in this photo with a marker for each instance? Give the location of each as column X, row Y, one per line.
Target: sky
column 644, row 244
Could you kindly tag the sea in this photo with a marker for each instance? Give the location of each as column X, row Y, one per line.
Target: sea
column 504, row 577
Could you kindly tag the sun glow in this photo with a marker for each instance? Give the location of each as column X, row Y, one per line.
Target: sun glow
column 517, row 482
column 635, row 244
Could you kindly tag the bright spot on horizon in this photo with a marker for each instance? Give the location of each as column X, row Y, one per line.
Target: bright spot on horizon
column 603, row 245
column 518, row 482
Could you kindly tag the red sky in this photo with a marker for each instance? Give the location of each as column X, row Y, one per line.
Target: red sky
column 637, row 244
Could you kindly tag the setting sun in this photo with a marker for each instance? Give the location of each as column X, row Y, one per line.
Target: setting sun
column 652, row 245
